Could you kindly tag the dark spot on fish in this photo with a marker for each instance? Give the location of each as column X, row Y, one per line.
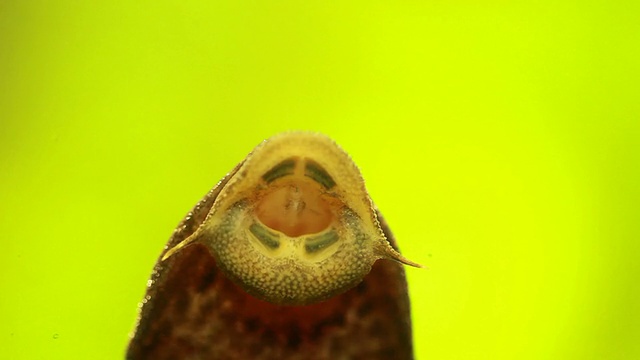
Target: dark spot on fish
column 362, row 288
column 268, row 336
column 365, row 309
column 377, row 328
column 181, row 303
column 165, row 328
column 293, row 338
column 207, row 279
column 252, row 324
column 388, row 352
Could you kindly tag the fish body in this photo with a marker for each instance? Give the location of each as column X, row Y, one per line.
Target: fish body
column 285, row 258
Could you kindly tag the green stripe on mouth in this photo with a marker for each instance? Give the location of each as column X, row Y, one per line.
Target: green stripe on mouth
column 284, row 168
column 317, row 243
column 266, row 237
column 313, row 170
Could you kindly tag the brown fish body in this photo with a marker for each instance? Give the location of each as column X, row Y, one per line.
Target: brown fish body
column 202, row 305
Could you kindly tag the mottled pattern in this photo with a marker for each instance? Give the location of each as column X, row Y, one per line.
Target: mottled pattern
column 288, row 281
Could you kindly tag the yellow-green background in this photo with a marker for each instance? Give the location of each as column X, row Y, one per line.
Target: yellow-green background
column 500, row 139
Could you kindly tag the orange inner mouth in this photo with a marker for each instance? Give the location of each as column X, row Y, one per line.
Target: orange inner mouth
column 295, row 208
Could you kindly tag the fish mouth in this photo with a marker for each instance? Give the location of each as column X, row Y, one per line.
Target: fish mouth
column 295, row 198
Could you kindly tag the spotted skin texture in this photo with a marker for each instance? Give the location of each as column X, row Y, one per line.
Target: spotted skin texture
column 192, row 310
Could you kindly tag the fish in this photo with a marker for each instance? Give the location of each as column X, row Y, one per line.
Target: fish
column 287, row 257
